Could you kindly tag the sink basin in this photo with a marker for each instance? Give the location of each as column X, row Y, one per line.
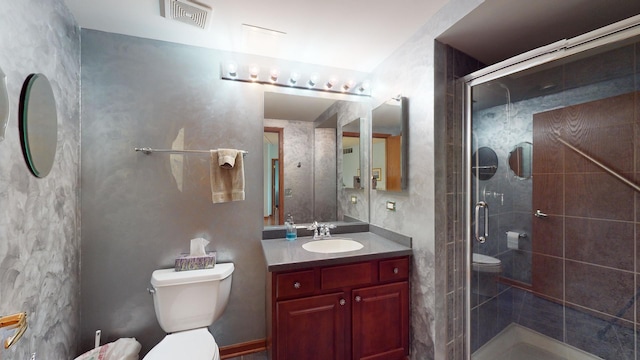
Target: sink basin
column 330, row 246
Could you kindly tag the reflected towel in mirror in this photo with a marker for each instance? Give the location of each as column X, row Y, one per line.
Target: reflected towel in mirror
column 227, row 183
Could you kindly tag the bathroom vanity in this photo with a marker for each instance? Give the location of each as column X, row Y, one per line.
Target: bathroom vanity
column 346, row 305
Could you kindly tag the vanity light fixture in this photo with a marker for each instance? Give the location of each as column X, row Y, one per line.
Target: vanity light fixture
column 272, row 74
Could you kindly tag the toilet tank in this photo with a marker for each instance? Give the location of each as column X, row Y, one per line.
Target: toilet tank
column 186, row 300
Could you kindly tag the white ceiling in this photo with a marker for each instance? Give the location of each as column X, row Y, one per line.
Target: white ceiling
column 354, row 34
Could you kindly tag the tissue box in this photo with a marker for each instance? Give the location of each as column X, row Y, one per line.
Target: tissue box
column 188, row 262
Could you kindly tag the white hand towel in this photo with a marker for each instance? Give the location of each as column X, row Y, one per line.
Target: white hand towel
column 227, row 183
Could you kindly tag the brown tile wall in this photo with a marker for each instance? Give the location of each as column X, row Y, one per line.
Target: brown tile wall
column 584, row 253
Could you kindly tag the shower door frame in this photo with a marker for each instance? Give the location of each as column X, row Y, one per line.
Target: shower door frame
column 609, row 34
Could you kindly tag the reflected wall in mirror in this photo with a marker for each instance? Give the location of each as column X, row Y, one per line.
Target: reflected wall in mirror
column 38, row 124
column 4, row 104
column 351, row 175
column 389, row 145
column 520, row 160
column 311, row 168
column 484, row 163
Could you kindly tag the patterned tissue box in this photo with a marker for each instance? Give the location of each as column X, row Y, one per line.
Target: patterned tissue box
column 188, row 262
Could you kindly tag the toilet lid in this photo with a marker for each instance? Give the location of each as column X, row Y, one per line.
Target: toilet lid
column 191, row 344
column 484, row 259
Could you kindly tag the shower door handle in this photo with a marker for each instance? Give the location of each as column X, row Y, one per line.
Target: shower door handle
column 482, row 205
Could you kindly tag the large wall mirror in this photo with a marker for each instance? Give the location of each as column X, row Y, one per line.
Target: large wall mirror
column 304, row 159
column 4, row 104
column 389, row 144
column 38, row 124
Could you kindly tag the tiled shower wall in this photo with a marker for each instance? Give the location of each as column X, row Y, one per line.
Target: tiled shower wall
column 451, row 65
column 584, row 253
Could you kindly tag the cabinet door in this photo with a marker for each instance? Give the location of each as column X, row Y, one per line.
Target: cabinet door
column 381, row 322
column 311, row 328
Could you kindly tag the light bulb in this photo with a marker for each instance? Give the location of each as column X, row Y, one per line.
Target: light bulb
column 253, row 72
column 293, row 79
column 313, row 80
column 232, row 70
column 274, row 75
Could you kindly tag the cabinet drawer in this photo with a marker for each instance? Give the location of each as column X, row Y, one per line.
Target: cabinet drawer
column 345, row 276
column 394, row 269
column 297, row 283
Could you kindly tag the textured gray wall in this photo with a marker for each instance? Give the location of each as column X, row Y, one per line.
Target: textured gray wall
column 138, row 93
column 410, row 72
column 325, row 180
column 39, row 221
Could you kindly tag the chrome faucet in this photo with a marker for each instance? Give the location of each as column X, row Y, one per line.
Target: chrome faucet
column 321, row 231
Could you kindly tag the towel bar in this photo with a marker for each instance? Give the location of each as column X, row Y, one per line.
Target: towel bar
column 148, row 151
column 14, row 321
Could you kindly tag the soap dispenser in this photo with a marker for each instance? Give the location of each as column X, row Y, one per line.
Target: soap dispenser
column 292, row 232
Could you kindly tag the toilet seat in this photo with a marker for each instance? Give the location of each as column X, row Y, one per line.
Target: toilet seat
column 484, row 263
column 196, row 344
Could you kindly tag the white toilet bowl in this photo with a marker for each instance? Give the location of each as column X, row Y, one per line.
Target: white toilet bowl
column 486, row 264
column 486, row 270
column 195, row 344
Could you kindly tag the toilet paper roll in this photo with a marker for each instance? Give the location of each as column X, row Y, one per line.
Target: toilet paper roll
column 513, row 240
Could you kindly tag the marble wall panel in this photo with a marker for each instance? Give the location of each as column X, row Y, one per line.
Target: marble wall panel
column 39, row 218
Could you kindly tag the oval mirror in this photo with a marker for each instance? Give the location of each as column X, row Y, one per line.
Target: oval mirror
column 4, row 104
column 38, row 124
column 484, row 163
column 520, row 160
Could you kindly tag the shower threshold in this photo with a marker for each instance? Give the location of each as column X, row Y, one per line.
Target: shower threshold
column 517, row 342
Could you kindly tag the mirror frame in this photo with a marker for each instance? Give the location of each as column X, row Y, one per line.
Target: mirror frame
column 38, row 124
column 404, row 143
column 4, row 104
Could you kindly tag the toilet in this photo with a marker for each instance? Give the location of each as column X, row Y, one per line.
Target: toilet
column 486, row 270
column 186, row 303
column 486, row 264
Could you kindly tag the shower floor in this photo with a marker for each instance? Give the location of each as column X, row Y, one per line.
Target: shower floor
column 519, row 343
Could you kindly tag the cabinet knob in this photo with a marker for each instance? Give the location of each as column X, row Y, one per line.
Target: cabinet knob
column 297, row 285
column 358, row 298
column 343, row 301
column 396, row 270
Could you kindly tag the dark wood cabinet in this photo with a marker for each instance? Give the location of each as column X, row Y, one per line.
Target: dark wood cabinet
column 380, row 322
column 350, row 311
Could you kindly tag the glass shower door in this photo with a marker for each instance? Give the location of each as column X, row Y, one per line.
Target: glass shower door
column 554, row 166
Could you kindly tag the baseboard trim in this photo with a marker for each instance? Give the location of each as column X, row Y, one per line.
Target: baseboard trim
column 249, row 347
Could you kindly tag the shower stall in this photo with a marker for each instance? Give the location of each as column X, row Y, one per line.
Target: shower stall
column 552, row 202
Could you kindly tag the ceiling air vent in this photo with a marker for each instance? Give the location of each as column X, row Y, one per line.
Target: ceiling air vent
column 187, row 12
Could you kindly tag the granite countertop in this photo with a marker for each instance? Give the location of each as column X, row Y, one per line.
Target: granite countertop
column 281, row 254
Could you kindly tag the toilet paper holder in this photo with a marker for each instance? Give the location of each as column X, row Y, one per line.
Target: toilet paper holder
column 520, row 235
